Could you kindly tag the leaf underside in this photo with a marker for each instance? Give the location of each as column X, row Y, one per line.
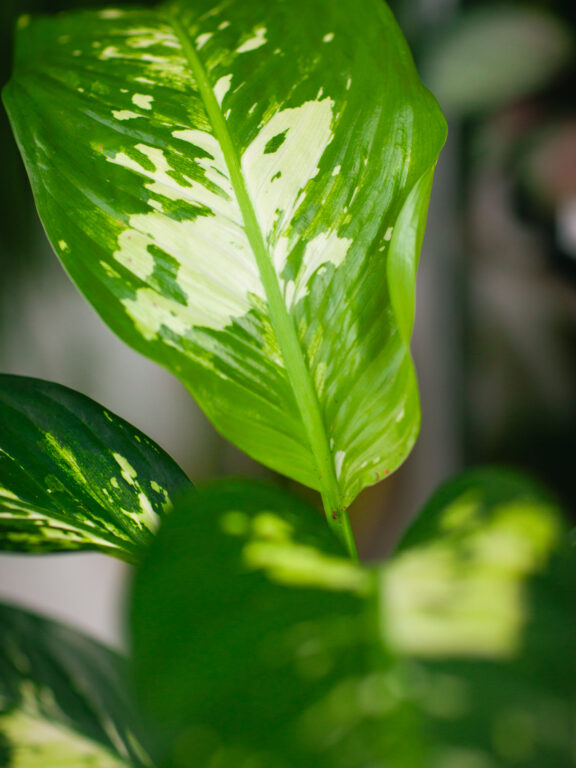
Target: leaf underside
column 456, row 652
column 75, row 476
column 63, row 699
column 240, row 191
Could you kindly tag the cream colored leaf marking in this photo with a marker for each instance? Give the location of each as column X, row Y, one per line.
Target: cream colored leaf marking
column 124, row 114
column 437, row 604
column 297, row 370
column 339, row 461
column 6, row 494
column 111, row 13
column 271, row 547
column 47, row 527
column 39, row 743
column 166, row 68
column 217, row 271
column 147, row 515
column 222, row 87
column 255, row 42
column 142, row 101
column 201, row 40
column 127, row 470
column 276, row 180
column 326, row 248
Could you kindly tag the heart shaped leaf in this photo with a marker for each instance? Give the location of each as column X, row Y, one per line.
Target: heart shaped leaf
column 240, row 190
column 75, row 476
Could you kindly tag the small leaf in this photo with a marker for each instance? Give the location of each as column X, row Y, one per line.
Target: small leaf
column 75, row 476
column 240, row 191
column 63, row 699
column 456, row 652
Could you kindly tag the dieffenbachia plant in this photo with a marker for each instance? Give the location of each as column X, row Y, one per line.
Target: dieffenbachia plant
column 75, row 476
column 458, row 651
column 64, row 699
column 240, row 190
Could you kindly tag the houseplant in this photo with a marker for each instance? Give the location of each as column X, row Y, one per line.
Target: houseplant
column 241, row 193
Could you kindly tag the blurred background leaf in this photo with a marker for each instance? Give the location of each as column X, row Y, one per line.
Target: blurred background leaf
column 457, row 651
column 63, row 698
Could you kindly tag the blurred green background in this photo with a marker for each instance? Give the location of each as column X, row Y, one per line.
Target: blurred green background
column 495, row 338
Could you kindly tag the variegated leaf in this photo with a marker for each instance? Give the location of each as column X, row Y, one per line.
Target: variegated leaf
column 458, row 651
column 481, row 591
column 64, row 699
column 240, row 189
column 271, row 660
column 75, row 476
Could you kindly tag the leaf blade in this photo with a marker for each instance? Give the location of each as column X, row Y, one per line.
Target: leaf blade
column 75, row 476
column 292, row 655
column 63, row 697
column 265, row 660
column 277, row 314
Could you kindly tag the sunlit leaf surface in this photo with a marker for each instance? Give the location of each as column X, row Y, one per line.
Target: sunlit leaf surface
column 75, row 476
column 456, row 653
column 240, row 189
column 63, row 699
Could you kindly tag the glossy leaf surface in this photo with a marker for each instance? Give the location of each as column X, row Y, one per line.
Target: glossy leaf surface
column 75, row 476
column 290, row 654
column 63, row 699
column 240, row 190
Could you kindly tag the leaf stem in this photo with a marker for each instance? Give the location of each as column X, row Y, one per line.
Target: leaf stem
column 340, row 523
column 282, row 322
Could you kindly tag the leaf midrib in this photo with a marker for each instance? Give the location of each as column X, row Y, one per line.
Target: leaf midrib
column 296, row 368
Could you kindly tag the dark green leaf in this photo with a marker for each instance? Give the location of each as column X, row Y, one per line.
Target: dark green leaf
column 240, row 190
column 63, row 699
column 256, row 642
column 75, row 476
column 457, row 653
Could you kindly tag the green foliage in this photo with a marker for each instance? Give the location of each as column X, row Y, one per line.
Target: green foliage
column 243, row 200
column 63, row 699
column 240, row 191
column 75, row 476
column 290, row 654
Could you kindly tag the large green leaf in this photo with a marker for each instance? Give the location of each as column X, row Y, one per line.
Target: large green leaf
column 272, row 659
column 63, row 699
column 290, row 654
column 75, row 476
column 240, row 190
